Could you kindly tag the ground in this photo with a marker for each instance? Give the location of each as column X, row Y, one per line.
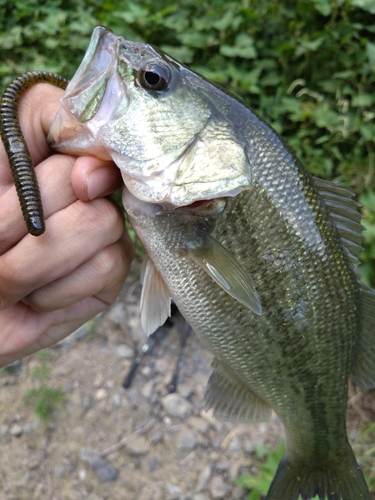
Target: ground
column 140, row 443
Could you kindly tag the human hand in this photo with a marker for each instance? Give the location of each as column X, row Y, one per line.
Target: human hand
column 52, row 284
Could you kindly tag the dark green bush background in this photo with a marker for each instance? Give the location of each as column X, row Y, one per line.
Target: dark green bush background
column 306, row 66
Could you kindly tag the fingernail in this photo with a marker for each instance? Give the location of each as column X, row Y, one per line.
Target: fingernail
column 97, row 183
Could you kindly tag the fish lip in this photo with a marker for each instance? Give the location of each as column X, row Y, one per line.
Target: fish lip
column 98, row 64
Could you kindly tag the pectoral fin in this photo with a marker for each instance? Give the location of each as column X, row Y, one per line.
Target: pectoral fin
column 231, row 399
column 155, row 299
column 223, row 268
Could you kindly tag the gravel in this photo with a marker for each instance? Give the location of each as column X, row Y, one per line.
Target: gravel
column 141, row 443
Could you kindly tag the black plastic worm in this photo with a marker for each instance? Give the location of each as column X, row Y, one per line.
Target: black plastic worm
column 15, row 146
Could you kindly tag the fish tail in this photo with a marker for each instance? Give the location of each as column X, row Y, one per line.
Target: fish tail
column 343, row 481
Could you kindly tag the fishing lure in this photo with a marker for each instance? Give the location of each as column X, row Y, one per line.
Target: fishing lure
column 20, row 162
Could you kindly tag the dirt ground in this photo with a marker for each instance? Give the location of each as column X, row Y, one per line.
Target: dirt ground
column 140, row 443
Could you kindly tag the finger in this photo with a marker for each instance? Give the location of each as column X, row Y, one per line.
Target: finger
column 56, row 191
column 26, row 331
column 37, row 109
column 104, row 274
column 62, row 179
column 92, row 177
column 73, row 236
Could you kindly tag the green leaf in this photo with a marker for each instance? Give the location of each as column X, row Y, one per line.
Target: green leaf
column 243, row 47
column 367, row 5
column 370, row 51
column 323, row 6
column 363, row 100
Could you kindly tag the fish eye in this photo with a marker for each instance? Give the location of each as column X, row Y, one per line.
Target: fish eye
column 155, row 77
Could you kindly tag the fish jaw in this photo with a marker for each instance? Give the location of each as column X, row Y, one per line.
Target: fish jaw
column 174, row 146
column 73, row 130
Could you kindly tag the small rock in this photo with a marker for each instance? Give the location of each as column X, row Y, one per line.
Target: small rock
column 99, row 380
column 148, row 389
column 186, row 441
column 12, row 366
column 82, row 474
column 162, row 365
column 63, row 469
column 94, row 496
column 16, row 430
column 234, row 471
column 117, row 314
column 222, row 466
column 200, row 496
column 35, row 462
column 185, row 389
column 86, row 403
column 156, row 436
column 103, row 468
column 151, row 491
column 116, row 400
column 39, row 491
column 152, row 464
column 31, row 426
column 8, row 380
column 137, row 446
column 218, row 488
column 4, row 428
column 100, row 394
column 176, row 406
column 203, row 478
column 147, row 372
column 124, row 351
column 199, row 424
column 174, row 491
column 234, row 446
column 237, row 493
column 132, row 397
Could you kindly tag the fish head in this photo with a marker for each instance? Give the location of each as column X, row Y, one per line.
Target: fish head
column 166, row 128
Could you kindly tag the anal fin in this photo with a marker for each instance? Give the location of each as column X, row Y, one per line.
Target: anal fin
column 231, row 399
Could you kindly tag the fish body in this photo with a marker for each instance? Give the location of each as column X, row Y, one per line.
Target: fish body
column 259, row 256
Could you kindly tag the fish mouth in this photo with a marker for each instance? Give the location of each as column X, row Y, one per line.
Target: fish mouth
column 73, row 131
column 97, row 100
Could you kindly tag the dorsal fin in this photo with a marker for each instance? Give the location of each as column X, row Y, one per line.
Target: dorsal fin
column 155, row 299
column 363, row 373
column 346, row 215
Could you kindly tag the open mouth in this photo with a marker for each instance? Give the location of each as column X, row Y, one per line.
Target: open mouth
column 196, row 204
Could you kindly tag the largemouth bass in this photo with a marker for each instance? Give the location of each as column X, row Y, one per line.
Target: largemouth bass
column 259, row 256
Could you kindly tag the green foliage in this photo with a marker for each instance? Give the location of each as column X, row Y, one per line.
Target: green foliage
column 305, row 66
column 45, row 399
column 267, row 461
column 366, row 454
column 367, row 270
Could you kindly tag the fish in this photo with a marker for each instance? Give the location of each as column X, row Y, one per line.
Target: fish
column 259, row 256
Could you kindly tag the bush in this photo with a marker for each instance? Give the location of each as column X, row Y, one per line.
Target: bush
column 307, row 66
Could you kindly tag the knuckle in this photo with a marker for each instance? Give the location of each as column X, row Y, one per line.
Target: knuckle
column 106, row 216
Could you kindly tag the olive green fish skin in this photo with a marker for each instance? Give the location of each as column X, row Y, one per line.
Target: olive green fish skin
column 259, row 256
column 297, row 355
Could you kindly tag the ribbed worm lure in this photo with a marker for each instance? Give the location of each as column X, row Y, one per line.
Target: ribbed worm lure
column 15, row 146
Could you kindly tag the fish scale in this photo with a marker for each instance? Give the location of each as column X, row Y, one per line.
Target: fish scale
column 241, row 322
column 259, row 256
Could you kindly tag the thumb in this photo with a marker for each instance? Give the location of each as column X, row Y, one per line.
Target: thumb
column 93, row 178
